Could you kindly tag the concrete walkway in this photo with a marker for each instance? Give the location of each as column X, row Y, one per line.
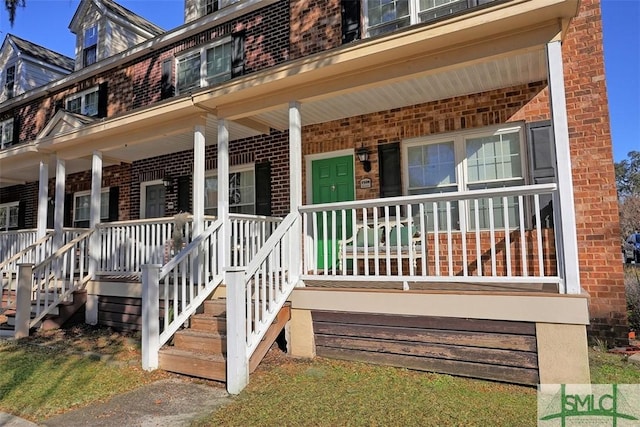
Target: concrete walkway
column 165, row 403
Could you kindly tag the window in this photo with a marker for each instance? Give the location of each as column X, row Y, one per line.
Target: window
column 10, row 80
column 204, row 67
column 82, row 207
column 383, row 16
column 90, row 46
column 85, row 102
column 490, row 158
column 241, row 192
column 9, row 213
column 208, row 6
column 6, row 133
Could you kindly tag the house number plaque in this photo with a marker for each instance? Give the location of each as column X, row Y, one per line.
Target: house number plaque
column 365, row 183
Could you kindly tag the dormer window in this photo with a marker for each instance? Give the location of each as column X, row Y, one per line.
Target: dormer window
column 208, row 6
column 10, row 80
column 85, row 102
column 207, row 66
column 6, row 133
column 90, row 46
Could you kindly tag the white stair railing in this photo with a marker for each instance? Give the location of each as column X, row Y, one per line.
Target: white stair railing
column 13, row 242
column 255, row 295
column 181, row 285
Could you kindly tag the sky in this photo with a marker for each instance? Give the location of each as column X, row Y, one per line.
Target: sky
column 46, row 22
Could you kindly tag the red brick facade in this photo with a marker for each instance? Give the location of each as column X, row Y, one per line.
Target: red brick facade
column 315, row 26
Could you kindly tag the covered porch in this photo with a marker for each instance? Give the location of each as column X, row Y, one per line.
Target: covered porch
column 487, row 240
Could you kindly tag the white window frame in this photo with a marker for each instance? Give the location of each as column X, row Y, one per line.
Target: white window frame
column 5, row 142
column 202, row 51
column 10, row 93
column 459, row 145
column 414, row 16
column 104, row 190
column 83, row 100
column 85, row 46
column 249, row 167
column 9, row 206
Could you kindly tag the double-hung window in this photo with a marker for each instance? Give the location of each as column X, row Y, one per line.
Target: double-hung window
column 6, row 133
column 9, row 213
column 383, row 16
column 478, row 159
column 242, row 198
column 207, row 66
column 85, row 102
column 82, row 207
column 90, row 46
column 10, row 81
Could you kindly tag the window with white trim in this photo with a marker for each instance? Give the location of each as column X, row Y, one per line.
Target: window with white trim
column 206, row 66
column 85, row 102
column 82, row 207
column 242, row 197
column 10, row 80
column 383, row 16
column 6, row 133
column 9, row 213
column 484, row 158
column 206, row 7
column 90, row 46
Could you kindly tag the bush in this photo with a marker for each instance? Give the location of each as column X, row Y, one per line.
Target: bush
column 632, row 287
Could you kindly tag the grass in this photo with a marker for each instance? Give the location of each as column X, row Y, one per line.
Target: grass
column 41, row 377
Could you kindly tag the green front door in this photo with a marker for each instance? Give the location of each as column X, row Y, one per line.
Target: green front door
column 332, row 181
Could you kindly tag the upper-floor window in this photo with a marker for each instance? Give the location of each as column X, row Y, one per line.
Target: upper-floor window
column 207, row 66
column 90, row 46
column 383, row 16
column 10, row 80
column 85, row 102
column 6, row 133
column 208, row 6
column 9, row 214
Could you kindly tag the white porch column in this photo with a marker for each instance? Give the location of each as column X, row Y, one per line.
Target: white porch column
column 198, row 179
column 567, row 240
column 223, row 194
column 295, row 180
column 43, row 190
column 91, row 313
column 58, row 214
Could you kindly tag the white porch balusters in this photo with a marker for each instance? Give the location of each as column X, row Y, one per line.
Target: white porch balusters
column 567, row 240
column 295, row 180
column 43, row 190
column 91, row 312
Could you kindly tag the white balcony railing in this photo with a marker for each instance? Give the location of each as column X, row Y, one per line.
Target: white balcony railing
column 480, row 236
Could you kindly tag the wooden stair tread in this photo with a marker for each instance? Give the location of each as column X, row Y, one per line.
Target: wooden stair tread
column 199, row 333
column 209, row 366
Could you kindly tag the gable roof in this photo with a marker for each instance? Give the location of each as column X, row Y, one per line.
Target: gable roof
column 64, row 121
column 42, row 53
column 119, row 11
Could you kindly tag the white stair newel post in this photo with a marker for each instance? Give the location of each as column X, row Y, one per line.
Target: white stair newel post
column 23, row 300
column 295, row 179
column 150, row 316
column 570, row 269
column 237, row 358
column 91, row 308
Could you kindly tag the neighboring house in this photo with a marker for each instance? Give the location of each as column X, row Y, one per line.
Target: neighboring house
column 444, row 170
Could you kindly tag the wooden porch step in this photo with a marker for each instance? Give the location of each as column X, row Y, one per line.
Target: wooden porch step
column 200, row 341
column 215, row 307
column 208, row 323
column 209, row 366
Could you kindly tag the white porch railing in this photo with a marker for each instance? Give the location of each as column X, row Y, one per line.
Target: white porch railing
column 125, row 246
column 248, row 234
column 479, row 236
column 255, row 295
column 181, row 285
column 12, row 242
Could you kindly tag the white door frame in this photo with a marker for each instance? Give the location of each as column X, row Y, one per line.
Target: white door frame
column 143, row 195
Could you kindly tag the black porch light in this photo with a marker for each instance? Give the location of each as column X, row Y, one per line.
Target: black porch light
column 363, row 156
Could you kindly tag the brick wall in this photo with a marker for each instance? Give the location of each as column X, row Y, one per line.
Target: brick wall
column 315, row 26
